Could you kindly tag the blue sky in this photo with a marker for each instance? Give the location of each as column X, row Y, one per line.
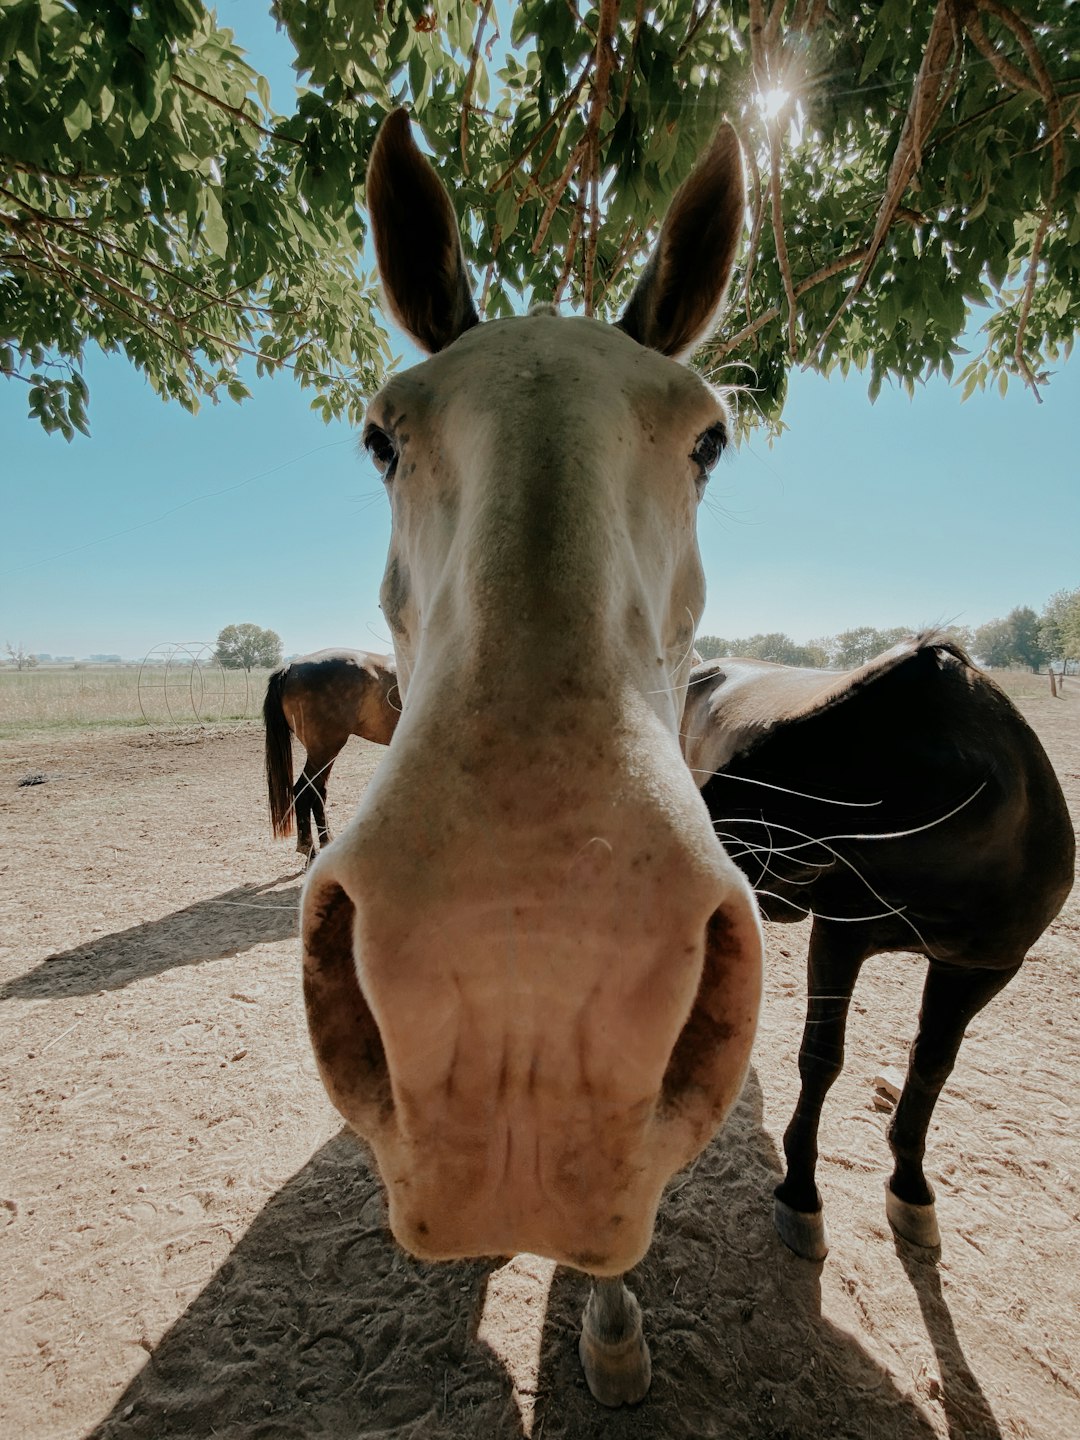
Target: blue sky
column 164, row 527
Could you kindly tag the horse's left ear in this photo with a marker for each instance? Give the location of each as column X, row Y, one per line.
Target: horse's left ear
column 676, row 302
column 417, row 242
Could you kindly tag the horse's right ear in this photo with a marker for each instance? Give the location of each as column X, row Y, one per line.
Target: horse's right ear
column 678, row 298
column 417, row 242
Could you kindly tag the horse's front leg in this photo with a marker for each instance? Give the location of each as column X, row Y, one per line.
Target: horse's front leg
column 836, row 953
column 612, row 1347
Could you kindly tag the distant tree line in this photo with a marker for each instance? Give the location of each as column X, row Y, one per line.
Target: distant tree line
column 834, row 652
column 1022, row 638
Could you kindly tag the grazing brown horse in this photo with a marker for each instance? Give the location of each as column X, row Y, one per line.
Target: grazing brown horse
column 322, row 699
column 906, row 805
column 532, row 975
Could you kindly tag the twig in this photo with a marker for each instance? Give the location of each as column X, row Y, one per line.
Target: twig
column 556, row 118
column 761, row 63
column 235, row 110
column 43, row 218
column 766, row 317
column 639, row 17
column 571, row 246
column 75, row 180
column 470, row 81
column 605, row 64
column 695, row 26
column 556, row 195
column 756, row 223
column 778, row 229
column 488, row 273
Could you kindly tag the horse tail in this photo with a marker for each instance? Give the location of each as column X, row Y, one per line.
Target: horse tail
column 279, row 761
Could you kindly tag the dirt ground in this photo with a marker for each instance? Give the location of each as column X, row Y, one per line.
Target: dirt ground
column 190, row 1245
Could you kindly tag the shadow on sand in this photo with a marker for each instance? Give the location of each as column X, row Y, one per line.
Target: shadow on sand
column 318, row 1325
column 207, row 930
column 967, row 1409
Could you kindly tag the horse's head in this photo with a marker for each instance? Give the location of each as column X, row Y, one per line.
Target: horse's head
column 559, row 969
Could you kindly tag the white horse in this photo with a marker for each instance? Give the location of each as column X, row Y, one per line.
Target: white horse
column 532, row 975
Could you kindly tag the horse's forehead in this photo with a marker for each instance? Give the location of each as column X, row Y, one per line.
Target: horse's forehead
column 509, row 365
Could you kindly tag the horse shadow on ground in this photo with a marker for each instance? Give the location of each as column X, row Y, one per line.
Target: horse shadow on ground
column 210, row 929
column 967, row 1409
column 318, row 1325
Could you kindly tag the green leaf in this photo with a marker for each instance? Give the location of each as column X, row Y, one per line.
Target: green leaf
column 78, row 119
column 214, row 229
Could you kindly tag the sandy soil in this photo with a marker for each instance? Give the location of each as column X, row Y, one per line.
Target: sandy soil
column 190, row 1246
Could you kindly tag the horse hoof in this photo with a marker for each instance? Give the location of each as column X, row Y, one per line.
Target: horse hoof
column 914, row 1223
column 801, row 1230
column 618, row 1373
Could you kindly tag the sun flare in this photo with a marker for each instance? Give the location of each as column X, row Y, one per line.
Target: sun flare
column 772, row 102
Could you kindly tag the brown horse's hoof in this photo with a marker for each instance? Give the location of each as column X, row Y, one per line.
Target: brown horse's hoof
column 801, row 1230
column 914, row 1223
column 619, row 1372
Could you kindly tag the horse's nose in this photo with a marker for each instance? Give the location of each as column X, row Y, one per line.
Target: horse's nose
column 535, row 1008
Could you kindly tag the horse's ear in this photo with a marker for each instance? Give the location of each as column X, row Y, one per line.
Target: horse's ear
column 417, row 242
column 676, row 301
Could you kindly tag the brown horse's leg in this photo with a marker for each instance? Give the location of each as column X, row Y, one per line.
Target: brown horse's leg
column 952, row 996
column 303, row 803
column 319, row 801
column 836, row 955
column 310, row 793
column 612, row 1347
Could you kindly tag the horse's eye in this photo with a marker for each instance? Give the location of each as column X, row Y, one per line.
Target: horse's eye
column 381, row 449
column 710, row 447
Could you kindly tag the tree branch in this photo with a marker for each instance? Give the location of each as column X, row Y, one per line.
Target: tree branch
column 236, row 111
column 762, row 72
column 766, row 317
column 558, row 115
column 605, row 64
column 556, row 195
column 470, row 81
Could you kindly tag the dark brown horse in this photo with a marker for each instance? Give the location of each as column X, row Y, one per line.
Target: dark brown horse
column 322, row 699
column 906, row 805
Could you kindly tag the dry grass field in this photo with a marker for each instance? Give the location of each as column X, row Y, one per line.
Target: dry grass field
column 56, row 697
column 192, row 1247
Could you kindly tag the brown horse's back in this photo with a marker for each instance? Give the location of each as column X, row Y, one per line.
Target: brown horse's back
column 332, row 694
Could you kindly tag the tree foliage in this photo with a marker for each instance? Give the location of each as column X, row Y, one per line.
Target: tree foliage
column 1059, row 627
column 856, row 647
column 844, row 651
column 150, row 203
column 907, row 161
column 1016, row 640
column 776, row 646
column 248, row 647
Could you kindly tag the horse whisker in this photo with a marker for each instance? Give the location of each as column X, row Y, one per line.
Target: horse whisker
column 785, row 789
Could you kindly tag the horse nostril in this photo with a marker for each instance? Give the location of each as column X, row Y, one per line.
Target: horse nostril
column 708, row 1027
column 344, row 1033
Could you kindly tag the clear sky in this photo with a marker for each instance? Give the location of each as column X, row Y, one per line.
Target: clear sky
column 164, row 527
